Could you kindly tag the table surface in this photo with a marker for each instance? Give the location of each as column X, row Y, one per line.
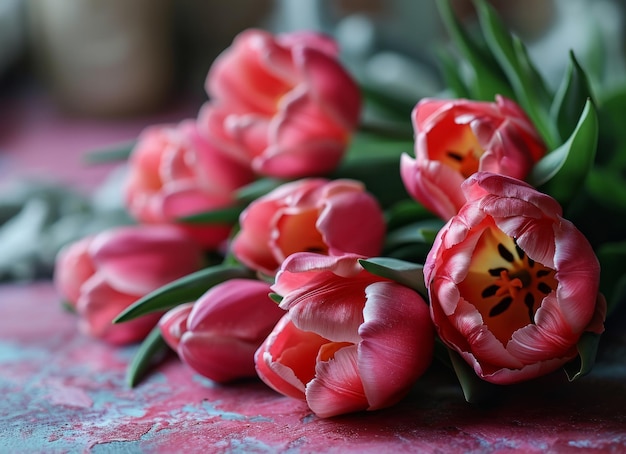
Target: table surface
column 63, row 392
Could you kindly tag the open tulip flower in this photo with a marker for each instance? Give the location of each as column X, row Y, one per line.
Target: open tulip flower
column 101, row 275
column 512, row 284
column 310, row 215
column 350, row 340
column 457, row 138
column 283, row 105
column 218, row 334
column 174, row 172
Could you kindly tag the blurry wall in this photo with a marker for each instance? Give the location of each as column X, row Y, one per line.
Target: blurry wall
column 123, row 57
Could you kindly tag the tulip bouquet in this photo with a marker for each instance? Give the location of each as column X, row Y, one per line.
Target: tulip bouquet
column 284, row 235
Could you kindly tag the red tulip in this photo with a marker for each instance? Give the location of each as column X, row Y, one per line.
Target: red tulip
column 350, row 341
column 102, row 275
column 329, row 217
column 218, row 334
column 457, row 138
column 283, row 105
column 173, row 173
column 512, row 284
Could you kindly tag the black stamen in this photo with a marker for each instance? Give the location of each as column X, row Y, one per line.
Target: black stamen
column 496, row 271
column 454, row 155
column 543, row 272
column 520, row 252
column 505, row 253
column 529, row 301
column 489, row 291
column 544, row 288
column 502, row 306
column 531, row 262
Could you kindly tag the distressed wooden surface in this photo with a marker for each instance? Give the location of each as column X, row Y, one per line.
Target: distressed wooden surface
column 63, row 392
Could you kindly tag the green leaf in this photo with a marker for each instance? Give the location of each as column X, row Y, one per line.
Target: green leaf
column 393, row 106
column 562, row 172
column 406, row 273
column 587, row 349
column 276, row 297
column 489, row 79
column 571, row 97
column 419, row 232
column 150, row 351
column 183, row 290
column 376, row 163
column 604, row 181
column 612, row 257
column 68, row 307
column 119, row 152
column 452, row 75
column 475, row 389
column 528, row 85
column 405, row 212
column 229, row 216
column 258, row 188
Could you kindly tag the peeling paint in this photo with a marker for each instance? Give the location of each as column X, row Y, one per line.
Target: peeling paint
column 63, row 392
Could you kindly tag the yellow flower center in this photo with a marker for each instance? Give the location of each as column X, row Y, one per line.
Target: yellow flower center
column 504, row 284
column 463, row 154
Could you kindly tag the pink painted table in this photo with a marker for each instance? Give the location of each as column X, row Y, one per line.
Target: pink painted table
column 63, row 392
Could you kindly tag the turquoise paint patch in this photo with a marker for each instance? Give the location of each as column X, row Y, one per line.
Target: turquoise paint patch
column 11, row 352
column 204, row 381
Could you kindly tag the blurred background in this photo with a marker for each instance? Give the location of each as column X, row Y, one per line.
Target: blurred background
column 78, row 75
column 129, row 57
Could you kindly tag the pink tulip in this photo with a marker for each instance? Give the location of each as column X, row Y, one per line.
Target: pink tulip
column 350, row 341
column 102, row 275
column 457, row 138
column 174, row 173
column 329, row 217
column 283, row 105
column 218, row 335
column 512, row 284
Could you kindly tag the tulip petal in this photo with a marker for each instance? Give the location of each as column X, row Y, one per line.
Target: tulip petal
column 99, row 304
column 398, row 342
column 73, row 267
column 222, row 359
column 173, row 324
column 337, row 388
column 238, row 307
column 243, row 75
column 137, row 261
column 331, row 86
column 344, row 216
column 286, row 359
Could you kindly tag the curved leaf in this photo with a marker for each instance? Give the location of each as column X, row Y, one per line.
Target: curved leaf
column 528, row 85
column 147, row 355
column 452, row 75
column 562, row 172
column 569, row 100
column 406, row 273
column 183, row 290
column 258, row 188
column 229, row 215
column 405, row 212
column 587, row 348
column 475, row 389
column 489, row 78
